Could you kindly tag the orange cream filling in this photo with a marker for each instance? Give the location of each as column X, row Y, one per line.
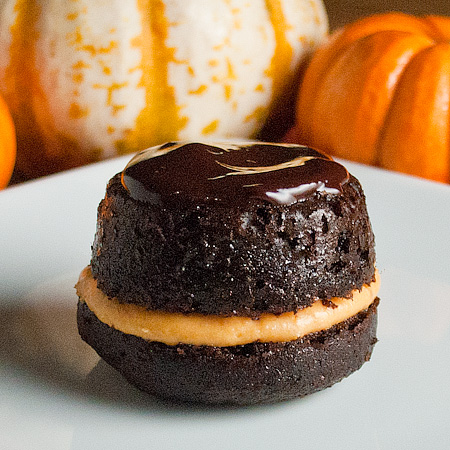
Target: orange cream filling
column 198, row 329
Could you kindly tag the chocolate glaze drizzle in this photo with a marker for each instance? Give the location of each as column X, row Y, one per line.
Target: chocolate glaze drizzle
column 231, row 173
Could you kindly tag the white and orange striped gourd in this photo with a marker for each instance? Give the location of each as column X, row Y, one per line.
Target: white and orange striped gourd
column 87, row 80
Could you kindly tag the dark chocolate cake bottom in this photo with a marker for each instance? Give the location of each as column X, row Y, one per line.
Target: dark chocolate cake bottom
column 241, row 375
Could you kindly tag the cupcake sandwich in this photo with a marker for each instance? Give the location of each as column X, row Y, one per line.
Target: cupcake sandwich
column 231, row 273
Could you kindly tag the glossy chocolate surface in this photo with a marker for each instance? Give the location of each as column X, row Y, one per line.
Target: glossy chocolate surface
column 230, row 173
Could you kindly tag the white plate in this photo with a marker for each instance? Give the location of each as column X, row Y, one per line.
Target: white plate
column 55, row 394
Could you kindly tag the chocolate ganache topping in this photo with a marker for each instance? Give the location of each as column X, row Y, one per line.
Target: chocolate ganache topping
column 230, row 173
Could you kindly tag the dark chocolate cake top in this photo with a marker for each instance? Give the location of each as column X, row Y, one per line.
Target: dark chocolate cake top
column 230, row 173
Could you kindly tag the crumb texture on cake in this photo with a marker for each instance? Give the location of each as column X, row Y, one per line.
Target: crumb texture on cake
column 193, row 232
column 243, row 261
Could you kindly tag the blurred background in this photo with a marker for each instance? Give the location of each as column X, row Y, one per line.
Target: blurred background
column 341, row 12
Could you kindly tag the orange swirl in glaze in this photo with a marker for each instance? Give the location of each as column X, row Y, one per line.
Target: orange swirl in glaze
column 231, row 173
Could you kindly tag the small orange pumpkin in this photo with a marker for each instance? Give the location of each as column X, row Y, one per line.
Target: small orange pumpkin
column 7, row 144
column 378, row 92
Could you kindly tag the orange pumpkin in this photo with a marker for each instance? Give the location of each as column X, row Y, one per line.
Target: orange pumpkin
column 88, row 80
column 7, row 145
column 378, row 92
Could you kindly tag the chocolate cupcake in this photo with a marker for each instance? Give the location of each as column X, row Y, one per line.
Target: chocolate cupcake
column 231, row 273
